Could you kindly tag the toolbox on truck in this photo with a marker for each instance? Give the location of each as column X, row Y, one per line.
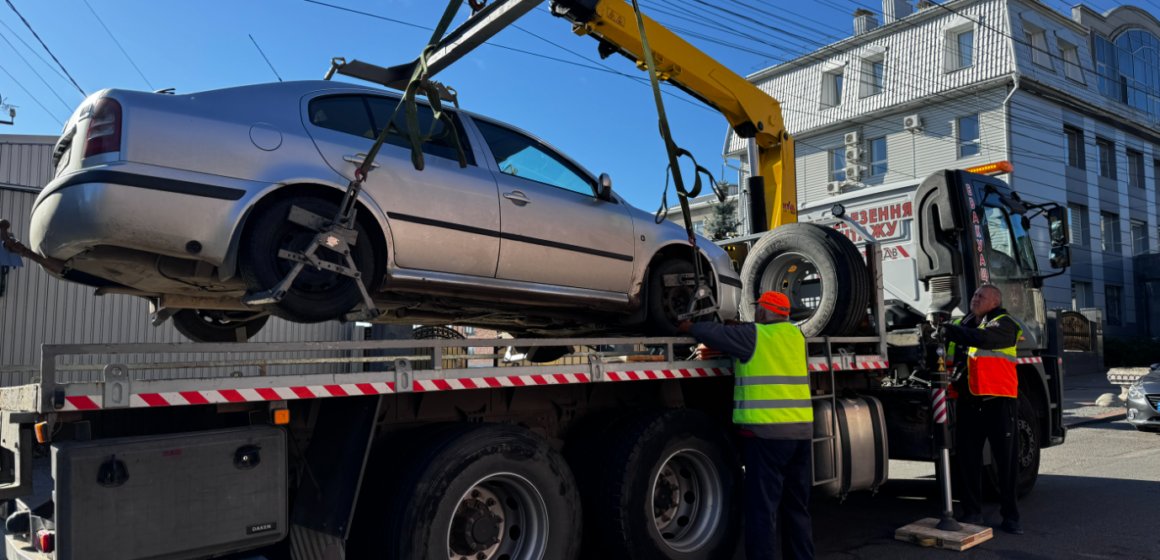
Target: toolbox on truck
column 170, row 496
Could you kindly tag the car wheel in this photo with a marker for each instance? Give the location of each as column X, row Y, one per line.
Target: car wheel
column 668, row 486
column 1147, row 429
column 1027, row 426
column 819, row 269
column 479, row 491
column 208, row 325
column 666, row 303
column 316, row 295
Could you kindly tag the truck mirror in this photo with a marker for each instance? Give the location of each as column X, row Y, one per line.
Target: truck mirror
column 605, row 188
column 1060, row 257
column 1057, row 225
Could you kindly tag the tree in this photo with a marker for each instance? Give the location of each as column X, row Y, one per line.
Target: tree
column 722, row 221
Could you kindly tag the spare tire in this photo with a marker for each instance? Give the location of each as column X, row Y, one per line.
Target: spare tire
column 819, row 269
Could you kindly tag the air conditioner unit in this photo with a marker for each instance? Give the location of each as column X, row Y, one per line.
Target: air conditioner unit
column 853, row 138
column 853, row 172
column 853, row 154
column 912, row 123
column 834, row 188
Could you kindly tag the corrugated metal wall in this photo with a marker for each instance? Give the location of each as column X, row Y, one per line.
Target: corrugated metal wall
column 39, row 309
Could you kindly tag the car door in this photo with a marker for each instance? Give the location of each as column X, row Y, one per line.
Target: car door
column 554, row 228
column 443, row 218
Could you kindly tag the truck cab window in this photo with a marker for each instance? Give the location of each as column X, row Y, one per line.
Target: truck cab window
column 1010, row 253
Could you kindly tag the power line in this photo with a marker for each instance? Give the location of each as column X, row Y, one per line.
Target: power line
column 15, row 81
column 266, row 59
column 62, row 102
column 114, row 38
column 46, row 49
column 32, row 50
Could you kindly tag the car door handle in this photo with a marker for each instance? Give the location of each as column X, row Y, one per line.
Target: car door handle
column 517, row 197
column 358, row 159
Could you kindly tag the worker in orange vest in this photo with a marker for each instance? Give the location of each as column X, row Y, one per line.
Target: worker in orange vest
column 982, row 346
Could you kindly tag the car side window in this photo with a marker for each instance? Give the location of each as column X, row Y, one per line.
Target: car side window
column 440, row 144
column 524, row 157
column 344, row 113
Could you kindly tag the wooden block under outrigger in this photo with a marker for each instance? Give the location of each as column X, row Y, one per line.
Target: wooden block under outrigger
column 924, row 533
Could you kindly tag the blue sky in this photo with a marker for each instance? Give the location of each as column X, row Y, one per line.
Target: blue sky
column 605, row 121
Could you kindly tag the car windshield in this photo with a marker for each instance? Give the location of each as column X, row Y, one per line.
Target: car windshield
column 1010, row 253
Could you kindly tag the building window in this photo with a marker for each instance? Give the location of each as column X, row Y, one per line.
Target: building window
column 1115, row 305
column 468, row 331
column 1107, row 156
column 838, row 164
column 699, row 228
column 1081, row 295
column 1156, row 174
column 963, row 52
column 873, row 76
column 1071, row 65
column 1073, row 137
column 1139, row 237
column 877, row 156
column 1110, row 232
column 1037, row 42
column 1129, row 70
column 1077, row 223
column 832, row 88
column 1135, row 169
column 968, row 136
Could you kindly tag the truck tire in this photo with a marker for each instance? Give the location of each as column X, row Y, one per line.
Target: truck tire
column 1027, row 425
column 819, row 269
column 668, row 486
column 665, row 304
column 203, row 325
column 493, row 489
column 316, row 295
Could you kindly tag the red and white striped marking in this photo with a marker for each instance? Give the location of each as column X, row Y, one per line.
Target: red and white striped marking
column 1017, row 360
column 939, row 405
column 507, row 381
column 145, row 400
column 667, row 374
column 853, row 366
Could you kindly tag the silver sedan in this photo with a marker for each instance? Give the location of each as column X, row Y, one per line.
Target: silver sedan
column 185, row 200
column 1144, row 401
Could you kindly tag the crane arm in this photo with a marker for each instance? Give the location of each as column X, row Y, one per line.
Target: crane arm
column 751, row 112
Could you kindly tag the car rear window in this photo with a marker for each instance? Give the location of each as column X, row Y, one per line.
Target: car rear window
column 440, row 143
column 365, row 116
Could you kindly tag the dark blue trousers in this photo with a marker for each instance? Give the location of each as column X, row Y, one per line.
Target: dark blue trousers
column 777, row 493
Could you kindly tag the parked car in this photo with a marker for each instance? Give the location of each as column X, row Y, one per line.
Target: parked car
column 1144, row 401
column 184, row 199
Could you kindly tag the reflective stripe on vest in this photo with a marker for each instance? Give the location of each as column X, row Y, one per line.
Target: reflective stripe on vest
column 771, row 393
column 950, row 357
column 992, row 373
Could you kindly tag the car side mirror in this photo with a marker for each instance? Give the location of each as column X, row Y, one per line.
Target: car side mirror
column 1060, row 257
column 605, row 188
column 1058, row 227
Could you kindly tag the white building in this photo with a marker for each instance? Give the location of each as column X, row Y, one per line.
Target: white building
column 1072, row 102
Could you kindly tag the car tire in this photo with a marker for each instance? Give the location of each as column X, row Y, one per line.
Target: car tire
column 316, row 295
column 1147, row 429
column 204, row 325
column 506, row 478
column 784, row 259
column 1029, row 452
column 664, row 304
column 668, row 486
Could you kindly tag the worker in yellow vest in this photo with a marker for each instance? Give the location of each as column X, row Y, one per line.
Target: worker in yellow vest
column 982, row 347
column 772, row 406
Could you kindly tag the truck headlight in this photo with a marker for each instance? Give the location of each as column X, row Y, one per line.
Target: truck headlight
column 1134, row 392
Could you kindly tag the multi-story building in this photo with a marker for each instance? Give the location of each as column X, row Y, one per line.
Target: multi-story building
column 1073, row 102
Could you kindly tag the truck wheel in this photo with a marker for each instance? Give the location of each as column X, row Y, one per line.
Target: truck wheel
column 819, row 269
column 1027, row 424
column 666, row 303
column 483, row 492
column 668, row 486
column 316, row 295
column 207, row 325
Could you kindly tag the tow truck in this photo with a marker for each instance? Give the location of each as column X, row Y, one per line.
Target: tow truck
column 399, row 449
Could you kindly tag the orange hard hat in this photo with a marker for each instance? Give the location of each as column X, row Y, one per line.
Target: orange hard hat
column 776, row 302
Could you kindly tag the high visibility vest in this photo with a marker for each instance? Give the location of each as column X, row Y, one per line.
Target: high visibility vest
column 991, row 373
column 771, row 392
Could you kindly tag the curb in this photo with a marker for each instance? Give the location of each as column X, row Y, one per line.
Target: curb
column 1106, row 417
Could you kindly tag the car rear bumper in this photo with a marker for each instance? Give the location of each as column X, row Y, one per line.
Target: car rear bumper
column 152, row 209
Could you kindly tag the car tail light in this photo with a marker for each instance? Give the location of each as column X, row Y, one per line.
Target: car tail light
column 104, row 128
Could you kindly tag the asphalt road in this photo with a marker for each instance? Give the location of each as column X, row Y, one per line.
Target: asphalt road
column 1097, row 497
